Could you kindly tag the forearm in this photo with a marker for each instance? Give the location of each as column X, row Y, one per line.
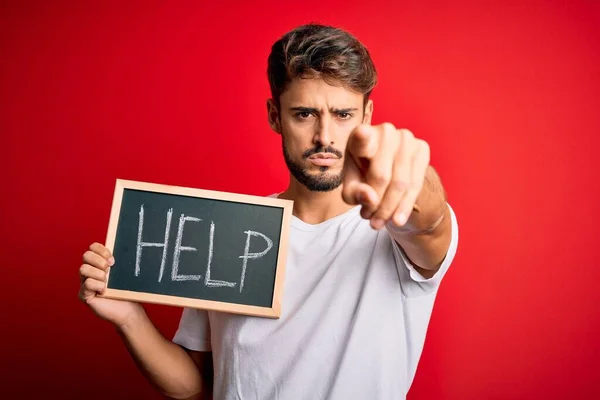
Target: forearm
column 166, row 365
column 430, row 205
column 425, row 237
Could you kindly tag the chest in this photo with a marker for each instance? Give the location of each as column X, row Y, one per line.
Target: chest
column 335, row 283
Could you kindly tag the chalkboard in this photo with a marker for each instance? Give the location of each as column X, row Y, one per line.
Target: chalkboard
column 198, row 248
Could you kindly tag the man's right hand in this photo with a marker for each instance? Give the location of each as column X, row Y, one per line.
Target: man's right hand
column 92, row 274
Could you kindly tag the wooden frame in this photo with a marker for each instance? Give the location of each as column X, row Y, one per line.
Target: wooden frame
column 273, row 312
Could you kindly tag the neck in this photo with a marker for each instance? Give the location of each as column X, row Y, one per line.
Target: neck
column 315, row 207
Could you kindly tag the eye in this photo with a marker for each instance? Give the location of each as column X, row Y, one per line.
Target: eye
column 344, row 115
column 303, row 114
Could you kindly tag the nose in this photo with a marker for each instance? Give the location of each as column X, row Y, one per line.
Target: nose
column 323, row 135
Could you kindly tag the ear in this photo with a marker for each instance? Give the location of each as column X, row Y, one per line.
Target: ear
column 273, row 115
column 368, row 112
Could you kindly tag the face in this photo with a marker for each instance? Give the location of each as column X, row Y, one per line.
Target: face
column 315, row 120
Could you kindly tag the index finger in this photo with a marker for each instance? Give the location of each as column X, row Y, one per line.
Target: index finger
column 354, row 191
column 363, row 142
column 103, row 252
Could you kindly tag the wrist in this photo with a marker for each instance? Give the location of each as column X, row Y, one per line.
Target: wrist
column 420, row 223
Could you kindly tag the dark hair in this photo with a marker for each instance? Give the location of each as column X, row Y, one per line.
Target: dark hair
column 320, row 51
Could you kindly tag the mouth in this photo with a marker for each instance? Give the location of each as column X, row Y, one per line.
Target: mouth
column 323, row 159
column 324, row 156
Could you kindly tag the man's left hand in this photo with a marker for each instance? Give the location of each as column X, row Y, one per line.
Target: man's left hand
column 384, row 171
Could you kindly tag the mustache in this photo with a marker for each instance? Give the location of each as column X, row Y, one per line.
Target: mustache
column 322, row 149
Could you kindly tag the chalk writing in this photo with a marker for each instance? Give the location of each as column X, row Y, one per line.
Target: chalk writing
column 207, row 281
column 248, row 255
column 141, row 244
column 175, row 276
column 179, row 247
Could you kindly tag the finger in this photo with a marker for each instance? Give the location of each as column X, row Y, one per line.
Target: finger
column 90, row 288
column 401, row 172
column 101, row 250
column 95, row 260
column 88, row 271
column 419, row 170
column 355, row 191
column 380, row 170
column 363, row 142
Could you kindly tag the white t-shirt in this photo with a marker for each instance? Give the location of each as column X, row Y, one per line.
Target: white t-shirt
column 353, row 323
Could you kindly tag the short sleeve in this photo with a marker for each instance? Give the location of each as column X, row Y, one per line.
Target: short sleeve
column 413, row 283
column 193, row 332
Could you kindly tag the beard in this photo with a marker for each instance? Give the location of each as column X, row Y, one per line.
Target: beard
column 324, row 181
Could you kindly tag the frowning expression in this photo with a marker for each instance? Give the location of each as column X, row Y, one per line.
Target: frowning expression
column 315, row 120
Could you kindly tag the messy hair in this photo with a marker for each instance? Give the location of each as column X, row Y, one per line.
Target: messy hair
column 320, row 51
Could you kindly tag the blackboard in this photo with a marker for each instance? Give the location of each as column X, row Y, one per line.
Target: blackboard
column 198, row 248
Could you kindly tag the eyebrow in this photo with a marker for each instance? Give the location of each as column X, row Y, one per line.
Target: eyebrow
column 314, row 110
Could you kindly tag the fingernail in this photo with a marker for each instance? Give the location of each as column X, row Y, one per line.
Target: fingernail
column 111, row 261
column 377, row 223
column 402, row 219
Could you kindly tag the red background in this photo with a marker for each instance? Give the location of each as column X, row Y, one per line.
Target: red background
column 506, row 93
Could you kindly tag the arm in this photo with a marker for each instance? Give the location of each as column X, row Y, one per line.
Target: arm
column 175, row 373
column 387, row 171
column 426, row 237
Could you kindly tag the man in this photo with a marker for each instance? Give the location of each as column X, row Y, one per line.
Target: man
column 372, row 237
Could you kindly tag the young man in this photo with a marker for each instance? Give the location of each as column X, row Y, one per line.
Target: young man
column 372, row 237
